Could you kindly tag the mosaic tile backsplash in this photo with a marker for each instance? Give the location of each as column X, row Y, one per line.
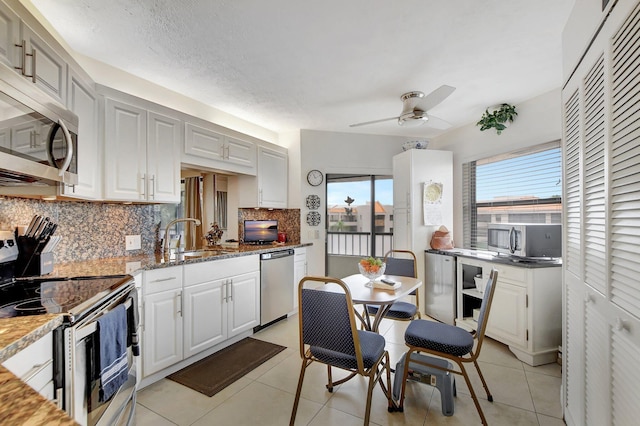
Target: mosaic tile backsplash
column 89, row 230
column 93, row 230
column 288, row 221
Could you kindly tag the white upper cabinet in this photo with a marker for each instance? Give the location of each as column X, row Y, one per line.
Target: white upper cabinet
column 26, row 51
column 45, row 67
column 83, row 101
column 211, row 146
column 9, row 35
column 269, row 188
column 141, row 152
column 164, row 138
column 125, row 152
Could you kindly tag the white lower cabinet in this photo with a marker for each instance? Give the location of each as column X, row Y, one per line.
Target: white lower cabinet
column 34, row 365
column 526, row 311
column 162, row 339
column 205, row 316
column 222, row 299
column 189, row 309
column 299, row 272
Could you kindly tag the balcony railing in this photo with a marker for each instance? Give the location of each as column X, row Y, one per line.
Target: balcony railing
column 358, row 243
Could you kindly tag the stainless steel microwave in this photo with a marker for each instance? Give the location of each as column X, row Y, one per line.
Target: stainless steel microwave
column 525, row 239
column 38, row 137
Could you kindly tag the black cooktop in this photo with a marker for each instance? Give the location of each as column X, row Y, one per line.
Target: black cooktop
column 72, row 296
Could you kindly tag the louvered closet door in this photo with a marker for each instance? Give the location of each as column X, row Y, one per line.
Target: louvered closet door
column 601, row 105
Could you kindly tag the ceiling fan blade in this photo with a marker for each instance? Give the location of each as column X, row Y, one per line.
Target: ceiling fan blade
column 435, row 97
column 373, row 122
column 438, row 123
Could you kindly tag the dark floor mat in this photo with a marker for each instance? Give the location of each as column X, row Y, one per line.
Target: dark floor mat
column 215, row 372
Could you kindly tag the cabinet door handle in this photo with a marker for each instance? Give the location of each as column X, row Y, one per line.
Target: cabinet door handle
column 143, row 185
column 159, row 280
column 152, row 185
column 23, row 57
column 33, row 65
column 231, row 290
column 179, row 296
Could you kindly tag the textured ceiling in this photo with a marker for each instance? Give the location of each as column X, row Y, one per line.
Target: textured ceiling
column 322, row 65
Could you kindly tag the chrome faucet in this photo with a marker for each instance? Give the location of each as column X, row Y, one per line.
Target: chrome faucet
column 165, row 250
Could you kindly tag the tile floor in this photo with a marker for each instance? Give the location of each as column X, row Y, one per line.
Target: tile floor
column 522, row 395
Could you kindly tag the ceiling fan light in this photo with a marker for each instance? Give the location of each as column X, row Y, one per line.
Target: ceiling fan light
column 413, row 119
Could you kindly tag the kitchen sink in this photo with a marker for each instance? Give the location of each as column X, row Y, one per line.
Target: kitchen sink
column 198, row 254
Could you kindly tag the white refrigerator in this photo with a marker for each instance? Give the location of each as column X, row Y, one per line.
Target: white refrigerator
column 418, row 213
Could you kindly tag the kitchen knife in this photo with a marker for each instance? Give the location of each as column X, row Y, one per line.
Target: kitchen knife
column 32, row 225
column 48, row 231
column 43, row 224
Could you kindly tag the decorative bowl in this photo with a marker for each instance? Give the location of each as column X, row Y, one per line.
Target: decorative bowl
column 415, row 145
column 371, row 272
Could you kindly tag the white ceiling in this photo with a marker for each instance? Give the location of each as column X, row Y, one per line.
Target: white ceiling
column 322, row 65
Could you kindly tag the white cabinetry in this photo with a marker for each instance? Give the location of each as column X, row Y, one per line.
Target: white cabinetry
column 222, row 299
column 189, row 309
column 83, row 101
column 46, row 67
column 208, row 145
column 526, row 311
column 411, row 170
column 27, row 52
column 299, row 272
column 142, row 153
column 269, row 188
column 34, row 365
column 601, row 194
column 9, row 35
column 163, row 331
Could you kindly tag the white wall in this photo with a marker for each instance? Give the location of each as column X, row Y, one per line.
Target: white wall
column 538, row 121
column 332, row 152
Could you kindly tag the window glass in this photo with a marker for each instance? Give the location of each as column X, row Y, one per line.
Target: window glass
column 517, row 187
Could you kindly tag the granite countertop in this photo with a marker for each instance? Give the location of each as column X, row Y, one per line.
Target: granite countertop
column 19, row 403
column 491, row 256
column 132, row 264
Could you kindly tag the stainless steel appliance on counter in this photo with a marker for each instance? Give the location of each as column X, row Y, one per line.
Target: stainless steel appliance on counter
column 276, row 286
column 440, row 286
column 82, row 300
column 525, row 239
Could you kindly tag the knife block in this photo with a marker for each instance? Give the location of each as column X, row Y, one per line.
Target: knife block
column 31, row 261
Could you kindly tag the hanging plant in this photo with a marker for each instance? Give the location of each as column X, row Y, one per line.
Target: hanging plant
column 498, row 119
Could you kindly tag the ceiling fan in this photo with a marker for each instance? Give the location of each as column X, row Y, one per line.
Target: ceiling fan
column 415, row 107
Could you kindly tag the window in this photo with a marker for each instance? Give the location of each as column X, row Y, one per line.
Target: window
column 517, row 187
column 360, row 214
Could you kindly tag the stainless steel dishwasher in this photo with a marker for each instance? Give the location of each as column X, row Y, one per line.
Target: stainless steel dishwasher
column 276, row 286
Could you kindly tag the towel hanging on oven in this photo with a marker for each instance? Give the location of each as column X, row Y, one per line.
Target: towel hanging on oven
column 112, row 328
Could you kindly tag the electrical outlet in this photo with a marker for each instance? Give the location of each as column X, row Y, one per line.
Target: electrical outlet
column 434, row 380
column 131, row 267
column 133, row 242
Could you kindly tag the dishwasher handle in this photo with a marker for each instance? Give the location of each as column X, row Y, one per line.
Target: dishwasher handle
column 276, row 254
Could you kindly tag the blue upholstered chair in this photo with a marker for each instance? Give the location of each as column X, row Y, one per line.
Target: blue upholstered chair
column 452, row 343
column 403, row 263
column 328, row 335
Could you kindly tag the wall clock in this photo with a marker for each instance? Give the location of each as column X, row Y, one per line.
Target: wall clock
column 313, row 218
column 315, row 177
column 313, row 202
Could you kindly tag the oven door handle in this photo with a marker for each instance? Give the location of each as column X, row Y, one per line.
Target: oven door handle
column 92, row 327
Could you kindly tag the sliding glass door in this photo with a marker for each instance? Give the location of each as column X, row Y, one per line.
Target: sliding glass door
column 359, row 220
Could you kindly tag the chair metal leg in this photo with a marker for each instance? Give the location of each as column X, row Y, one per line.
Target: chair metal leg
column 484, row 383
column 372, row 383
column 330, row 381
column 305, row 363
column 473, row 394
